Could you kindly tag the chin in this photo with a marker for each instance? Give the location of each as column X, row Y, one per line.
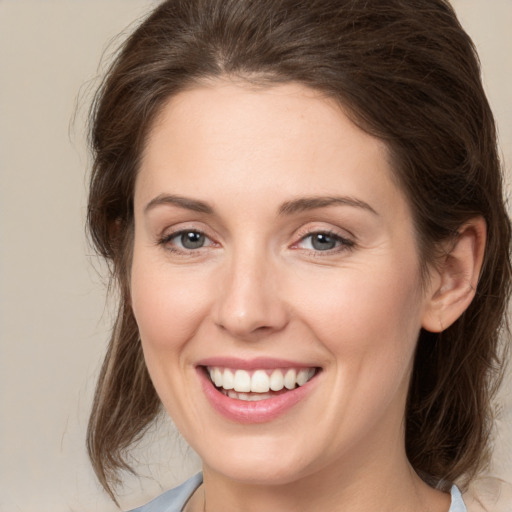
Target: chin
column 259, row 462
column 259, row 473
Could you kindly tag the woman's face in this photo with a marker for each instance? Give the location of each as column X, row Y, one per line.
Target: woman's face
column 274, row 250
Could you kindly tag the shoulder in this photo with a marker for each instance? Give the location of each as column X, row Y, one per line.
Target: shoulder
column 457, row 501
column 175, row 499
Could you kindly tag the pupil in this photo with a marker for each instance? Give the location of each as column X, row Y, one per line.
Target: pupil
column 322, row 242
column 192, row 240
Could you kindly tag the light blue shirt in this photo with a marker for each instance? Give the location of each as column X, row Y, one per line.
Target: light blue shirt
column 175, row 499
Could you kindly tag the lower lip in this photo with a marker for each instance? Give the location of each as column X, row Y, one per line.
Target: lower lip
column 242, row 411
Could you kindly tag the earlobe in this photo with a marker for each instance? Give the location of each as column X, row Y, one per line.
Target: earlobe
column 456, row 277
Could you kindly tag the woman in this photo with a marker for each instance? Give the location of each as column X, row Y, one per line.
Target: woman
column 302, row 206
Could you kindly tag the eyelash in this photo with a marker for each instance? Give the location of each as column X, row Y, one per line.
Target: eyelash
column 342, row 243
column 165, row 241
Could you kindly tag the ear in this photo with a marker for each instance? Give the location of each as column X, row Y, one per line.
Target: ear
column 454, row 280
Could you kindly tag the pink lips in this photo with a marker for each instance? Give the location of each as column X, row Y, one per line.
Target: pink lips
column 247, row 412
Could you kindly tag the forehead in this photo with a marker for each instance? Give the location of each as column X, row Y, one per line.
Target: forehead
column 231, row 139
column 240, row 110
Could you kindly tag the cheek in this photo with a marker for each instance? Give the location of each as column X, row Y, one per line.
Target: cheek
column 369, row 324
column 364, row 299
column 167, row 304
column 368, row 318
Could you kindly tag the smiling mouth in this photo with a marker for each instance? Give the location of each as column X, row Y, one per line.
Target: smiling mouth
column 260, row 384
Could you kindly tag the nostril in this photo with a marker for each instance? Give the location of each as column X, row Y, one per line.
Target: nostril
column 263, row 329
column 248, row 333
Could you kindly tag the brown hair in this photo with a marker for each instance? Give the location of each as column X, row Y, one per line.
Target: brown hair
column 408, row 74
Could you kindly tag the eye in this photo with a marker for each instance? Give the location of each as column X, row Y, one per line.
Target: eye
column 324, row 241
column 192, row 239
column 186, row 240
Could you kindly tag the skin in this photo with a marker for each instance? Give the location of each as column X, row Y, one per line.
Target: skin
column 258, row 287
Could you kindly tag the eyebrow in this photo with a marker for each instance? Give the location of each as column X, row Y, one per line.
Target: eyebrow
column 310, row 203
column 183, row 202
column 288, row 208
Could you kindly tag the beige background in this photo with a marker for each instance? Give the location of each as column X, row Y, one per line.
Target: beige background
column 53, row 320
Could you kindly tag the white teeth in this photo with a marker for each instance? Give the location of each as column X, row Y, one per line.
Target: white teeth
column 217, row 377
column 261, row 381
column 290, row 379
column 304, row 375
column 248, row 397
column 276, row 380
column 228, row 381
column 242, row 381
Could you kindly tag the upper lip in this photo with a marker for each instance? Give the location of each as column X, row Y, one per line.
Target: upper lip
column 253, row 363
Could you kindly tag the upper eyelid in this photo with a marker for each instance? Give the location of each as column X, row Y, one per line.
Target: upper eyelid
column 183, row 227
column 329, row 232
column 164, row 242
column 343, row 244
column 341, row 233
column 177, row 232
column 165, row 236
column 343, row 239
column 304, row 231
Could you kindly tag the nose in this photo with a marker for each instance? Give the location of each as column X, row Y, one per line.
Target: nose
column 249, row 302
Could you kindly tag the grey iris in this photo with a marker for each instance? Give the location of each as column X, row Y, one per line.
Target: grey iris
column 192, row 240
column 323, row 242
